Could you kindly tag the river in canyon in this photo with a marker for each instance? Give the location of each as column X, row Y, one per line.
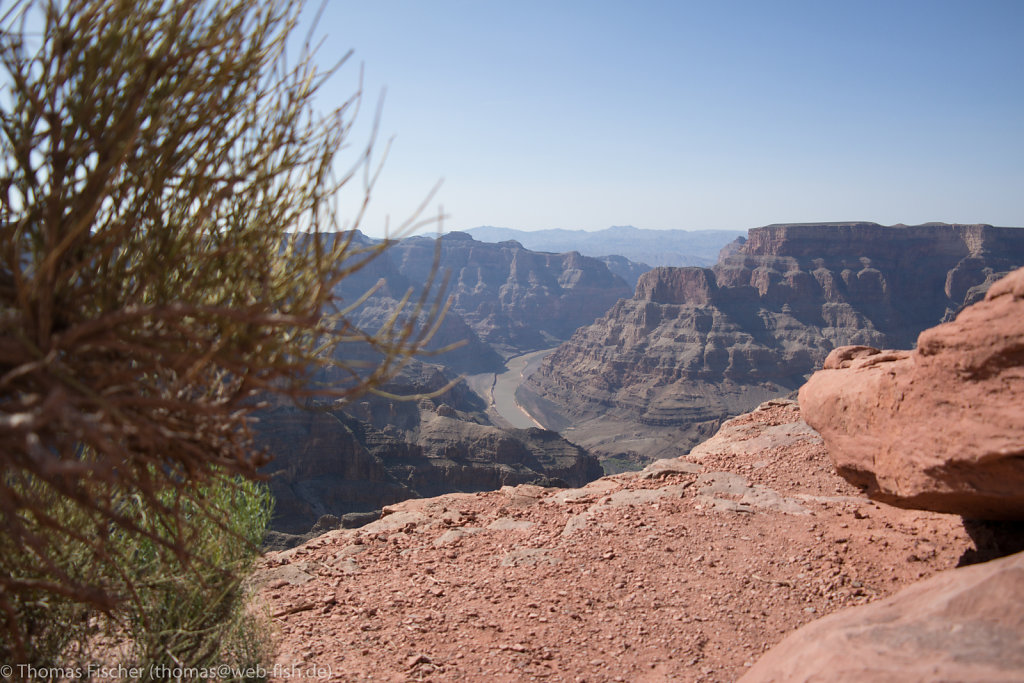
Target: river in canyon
column 499, row 390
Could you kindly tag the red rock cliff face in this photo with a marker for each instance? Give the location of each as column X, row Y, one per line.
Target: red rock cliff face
column 696, row 345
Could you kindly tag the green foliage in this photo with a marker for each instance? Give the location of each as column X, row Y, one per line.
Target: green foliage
column 173, row 609
column 49, row 619
column 192, row 610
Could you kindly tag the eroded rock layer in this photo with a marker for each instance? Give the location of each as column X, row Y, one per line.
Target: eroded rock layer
column 512, row 299
column 661, row 370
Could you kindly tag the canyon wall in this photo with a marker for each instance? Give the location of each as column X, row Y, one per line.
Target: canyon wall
column 503, row 296
column 337, row 460
column 343, row 460
column 695, row 345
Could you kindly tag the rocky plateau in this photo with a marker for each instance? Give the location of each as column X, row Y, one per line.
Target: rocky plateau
column 688, row 570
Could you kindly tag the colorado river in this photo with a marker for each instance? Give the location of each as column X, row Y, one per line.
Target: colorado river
column 500, row 390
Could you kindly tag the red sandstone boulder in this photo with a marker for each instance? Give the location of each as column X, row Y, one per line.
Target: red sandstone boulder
column 961, row 625
column 938, row 428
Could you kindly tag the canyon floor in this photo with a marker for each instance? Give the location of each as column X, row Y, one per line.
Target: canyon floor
column 686, row 571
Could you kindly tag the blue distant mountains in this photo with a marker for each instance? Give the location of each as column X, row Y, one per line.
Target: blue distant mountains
column 650, row 247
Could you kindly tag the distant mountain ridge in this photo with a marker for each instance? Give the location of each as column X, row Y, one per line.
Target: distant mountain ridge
column 641, row 245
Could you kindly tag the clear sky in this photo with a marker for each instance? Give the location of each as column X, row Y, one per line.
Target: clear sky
column 692, row 115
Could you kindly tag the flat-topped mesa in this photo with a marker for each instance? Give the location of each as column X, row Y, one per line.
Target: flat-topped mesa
column 903, row 278
column 864, row 239
column 693, row 286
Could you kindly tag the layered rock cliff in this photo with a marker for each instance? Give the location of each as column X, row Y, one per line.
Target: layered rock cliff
column 694, row 345
column 337, row 461
column 511, row 299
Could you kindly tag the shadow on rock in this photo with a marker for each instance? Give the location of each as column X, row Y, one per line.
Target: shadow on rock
column 992, row 540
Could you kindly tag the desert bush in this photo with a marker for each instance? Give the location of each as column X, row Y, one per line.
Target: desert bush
column 51, row 623
column 193, row 611
column 169, row 255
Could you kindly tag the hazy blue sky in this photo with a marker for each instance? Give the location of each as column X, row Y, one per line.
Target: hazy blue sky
column 691, row 115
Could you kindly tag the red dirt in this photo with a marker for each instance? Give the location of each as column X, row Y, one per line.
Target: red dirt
column 606, row 583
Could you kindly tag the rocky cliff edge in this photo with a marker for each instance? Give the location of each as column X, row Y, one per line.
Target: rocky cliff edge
column 939, row 427
column 687, row 570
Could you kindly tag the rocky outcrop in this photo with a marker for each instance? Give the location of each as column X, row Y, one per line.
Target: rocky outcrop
column 685, row 571
column 695, row 345
column 961, row 625
column 331, row 461
column 512, row 299
column 937, row 428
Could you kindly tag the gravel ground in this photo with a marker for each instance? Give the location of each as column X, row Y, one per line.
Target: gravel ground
column 687, row 571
